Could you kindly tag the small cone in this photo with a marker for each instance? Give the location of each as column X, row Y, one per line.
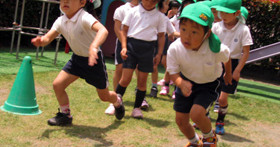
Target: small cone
column 22, row 98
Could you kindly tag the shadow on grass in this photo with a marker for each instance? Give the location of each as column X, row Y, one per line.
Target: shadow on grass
column 238, row 116
column 268, row 90
column 86, row 132
column 235, row 138
column 154, row 122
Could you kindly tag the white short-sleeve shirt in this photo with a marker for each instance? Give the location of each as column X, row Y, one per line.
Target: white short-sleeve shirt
column 121, row 11
column 169, row 26
column 176, row 22
column 77, row 31
column 144, row 25
column 235, row 38
column 202, row 66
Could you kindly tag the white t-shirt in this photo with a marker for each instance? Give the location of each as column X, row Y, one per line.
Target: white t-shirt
column 235, row 38
column 202, row 66
column 144, row 25
column 121, row 11
column 77, row 31
column 176, row 22
column 169, row 26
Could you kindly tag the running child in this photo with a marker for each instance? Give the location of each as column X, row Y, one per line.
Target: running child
column 236, row 35
column 142, row 29
column 194, row 62
column 84, row 35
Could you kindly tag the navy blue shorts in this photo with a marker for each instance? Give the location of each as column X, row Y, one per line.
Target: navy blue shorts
column 140, row 53
column 94, row 75
column 166, row 45
column 230, row 88
column 118, row 57
column 202, row 94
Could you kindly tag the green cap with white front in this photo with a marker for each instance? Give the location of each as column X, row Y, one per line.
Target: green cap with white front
column 228, row 6
column 202, row 15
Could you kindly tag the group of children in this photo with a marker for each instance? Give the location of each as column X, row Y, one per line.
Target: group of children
column 210, row 45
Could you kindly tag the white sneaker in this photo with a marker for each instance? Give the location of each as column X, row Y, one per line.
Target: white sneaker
column 110, row 110
column 137, row 113
column 161, row 82
column 144, row 105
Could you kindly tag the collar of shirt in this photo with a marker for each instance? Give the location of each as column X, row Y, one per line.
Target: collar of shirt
column 74, row 18
column 143, row 10
column 234, row 28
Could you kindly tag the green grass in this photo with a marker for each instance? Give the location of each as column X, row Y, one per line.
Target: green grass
column 252, row 119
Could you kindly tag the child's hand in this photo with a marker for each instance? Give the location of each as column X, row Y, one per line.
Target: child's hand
column 157, row 59
column 228, row 78
column 186, row 88
column 123, row 53
column 37, row 41
column 236, row 75
column 92, row 56
column 170, row 14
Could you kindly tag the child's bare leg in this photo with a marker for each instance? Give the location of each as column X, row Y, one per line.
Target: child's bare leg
column 198, row 116
column 107, row 96
column 155, row 75
column 61, row 82
column 223, row 100
column 117, row 75
column 182, row 121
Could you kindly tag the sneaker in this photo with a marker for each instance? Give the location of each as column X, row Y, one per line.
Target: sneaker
column 120, row 111
column 173, row 95
column 164, row 90
column 161, row 82
column 200, row 144
column 110, row 110
column 144, row 105
column 61, row 119
column 137, row 113
column 220, row 128
column 210, row 141
column 216, row 108
column 154, row 92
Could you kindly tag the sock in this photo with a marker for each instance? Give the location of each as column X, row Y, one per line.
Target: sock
column 207, row 135
column 154, row 85
column 118, row 102
column 195, row 139
column 222, row 114
column 166, row 84
column 140, row 95
column 120, row 90
column 65, row 109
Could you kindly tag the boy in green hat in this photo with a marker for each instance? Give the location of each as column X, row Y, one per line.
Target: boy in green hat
column 236, row 35
column 194, row 62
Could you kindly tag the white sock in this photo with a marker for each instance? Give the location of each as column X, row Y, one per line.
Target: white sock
column 118, row 102
column 65, row 109
column 207, row 135
column 195, row 139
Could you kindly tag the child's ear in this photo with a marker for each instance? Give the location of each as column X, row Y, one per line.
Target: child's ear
column 208, row 33
column 237, row 13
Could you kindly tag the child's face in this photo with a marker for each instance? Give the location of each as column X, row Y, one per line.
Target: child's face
column 71, row 7
column 229, row 17
column 174, row 10
column 192, row 34
column 149, row 4
column 215, row 13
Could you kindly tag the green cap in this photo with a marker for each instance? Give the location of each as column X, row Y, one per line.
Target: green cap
column 244, row 12
column 228, row 6
column 207, row 3
column 202, row 15
column 180, row 1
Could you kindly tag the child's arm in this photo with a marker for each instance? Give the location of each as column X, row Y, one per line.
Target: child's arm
column 101, row 35
column 242, row 62
column 117, row 28
column 185, row 86
column 161, row 42
column 44, row 40
column 124, row 41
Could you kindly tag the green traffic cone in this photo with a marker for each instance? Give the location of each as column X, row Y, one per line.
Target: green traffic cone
column 22, row 98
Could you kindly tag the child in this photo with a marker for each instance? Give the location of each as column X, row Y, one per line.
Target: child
column 194, row 64
column 84, row 35
column 174, row 6
column 237, row 37
column 142, row 28
column 119, row 15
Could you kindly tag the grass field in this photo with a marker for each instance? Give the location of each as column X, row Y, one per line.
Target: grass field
column 253, row 118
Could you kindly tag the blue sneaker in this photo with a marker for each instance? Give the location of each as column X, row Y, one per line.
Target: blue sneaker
column 220, row 128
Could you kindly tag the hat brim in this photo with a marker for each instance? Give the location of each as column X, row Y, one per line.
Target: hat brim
column 224, row 9
column 195, row 19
